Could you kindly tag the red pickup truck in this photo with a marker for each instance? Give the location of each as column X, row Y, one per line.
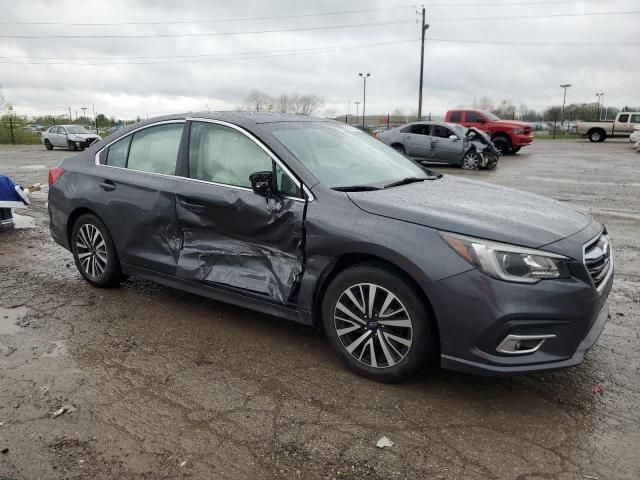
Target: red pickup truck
column 509, row 136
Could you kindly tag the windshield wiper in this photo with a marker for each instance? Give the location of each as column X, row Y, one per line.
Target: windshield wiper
column 356, row 188
column 406, row 181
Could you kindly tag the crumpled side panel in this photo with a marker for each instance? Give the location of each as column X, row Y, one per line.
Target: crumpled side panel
column 244, row 244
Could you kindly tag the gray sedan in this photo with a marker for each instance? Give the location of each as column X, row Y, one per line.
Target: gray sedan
column 73, row 137
column 433, row 142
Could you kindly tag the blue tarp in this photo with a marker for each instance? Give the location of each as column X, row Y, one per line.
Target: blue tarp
column 11, row 195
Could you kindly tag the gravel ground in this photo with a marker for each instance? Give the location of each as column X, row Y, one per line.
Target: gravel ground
column 157, row 383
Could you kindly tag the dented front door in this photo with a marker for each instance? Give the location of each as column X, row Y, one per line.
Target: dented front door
column 231, row 236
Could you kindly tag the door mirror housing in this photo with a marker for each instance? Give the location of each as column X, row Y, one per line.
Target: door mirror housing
column 262, row 183
column 453, row 137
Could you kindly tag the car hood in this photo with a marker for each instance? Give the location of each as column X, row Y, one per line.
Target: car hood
column 84, row 136
column 510, row 124
column 476, row 209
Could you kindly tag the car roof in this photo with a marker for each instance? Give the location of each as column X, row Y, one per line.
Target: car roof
column 240, row 118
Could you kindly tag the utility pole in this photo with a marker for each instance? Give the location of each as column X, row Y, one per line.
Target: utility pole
column 423, row 29
column 84, row 110
column 599, row 96
column 95, row 119
column 70, row 120
column 357, row 109
column 564, row 99
column 364, row 95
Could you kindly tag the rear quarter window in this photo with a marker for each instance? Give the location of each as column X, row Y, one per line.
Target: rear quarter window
column 117, row 153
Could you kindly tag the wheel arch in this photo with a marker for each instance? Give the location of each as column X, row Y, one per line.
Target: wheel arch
column 73, row 217
column 347, row 260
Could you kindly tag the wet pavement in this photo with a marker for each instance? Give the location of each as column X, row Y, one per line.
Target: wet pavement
column 149, row 382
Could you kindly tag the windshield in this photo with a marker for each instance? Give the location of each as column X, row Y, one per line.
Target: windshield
column 490, row 116
column 76, row 129
column 341, row 156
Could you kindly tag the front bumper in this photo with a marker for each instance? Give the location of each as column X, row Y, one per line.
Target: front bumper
column 521, row 140
column 486, row 311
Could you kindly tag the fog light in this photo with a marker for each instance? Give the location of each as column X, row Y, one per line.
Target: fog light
column 522, row 344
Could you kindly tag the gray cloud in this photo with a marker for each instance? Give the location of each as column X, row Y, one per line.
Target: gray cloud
column 455, row 73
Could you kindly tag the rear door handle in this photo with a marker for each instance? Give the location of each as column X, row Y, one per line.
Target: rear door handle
column 194, row 207
column 107, row 186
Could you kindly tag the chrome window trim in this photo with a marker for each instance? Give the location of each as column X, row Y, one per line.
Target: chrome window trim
column 220, row 122
column 595, row 239
column 273, row 157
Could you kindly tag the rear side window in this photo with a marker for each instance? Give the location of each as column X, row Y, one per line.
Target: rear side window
column 117, row 153
column 455, row 117
column 155, row 149
column 421, row 129
column 473, row 117
column 223, row 155
column 623, row 118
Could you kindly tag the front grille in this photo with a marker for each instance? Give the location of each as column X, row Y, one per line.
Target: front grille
column 597, row 258
column 527, row 130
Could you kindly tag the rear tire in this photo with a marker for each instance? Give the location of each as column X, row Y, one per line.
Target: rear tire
column 399, row 148
column 94, row 252
column 597, row 135
column 503, row 144
column 387, row 334
column 47, row 144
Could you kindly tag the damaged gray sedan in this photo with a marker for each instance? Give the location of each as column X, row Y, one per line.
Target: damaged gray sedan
column 317, row 222
column 450, row 143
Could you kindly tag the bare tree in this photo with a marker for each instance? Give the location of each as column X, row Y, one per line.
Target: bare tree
column 485, row 103
column 258, row 101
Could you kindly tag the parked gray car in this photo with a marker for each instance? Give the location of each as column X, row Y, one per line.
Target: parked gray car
column 73, row 137
column 434, row 142
column 317, row 222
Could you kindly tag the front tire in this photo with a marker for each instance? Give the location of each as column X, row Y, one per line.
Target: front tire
column 516, row 149
column 503, row 144
column 94, row 252
column 597, row 135
column 47, row 144
column 471, row 160
column 377, row 323
column 399, row 148
column 73, row 147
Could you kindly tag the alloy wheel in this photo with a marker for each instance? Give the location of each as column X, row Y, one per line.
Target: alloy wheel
column 91, row 250
column 373, row 325
column 470, row 161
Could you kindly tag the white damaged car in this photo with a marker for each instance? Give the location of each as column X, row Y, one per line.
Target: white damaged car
column 73, row 137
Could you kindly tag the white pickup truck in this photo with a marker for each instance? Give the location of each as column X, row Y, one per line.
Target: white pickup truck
column 622, row 126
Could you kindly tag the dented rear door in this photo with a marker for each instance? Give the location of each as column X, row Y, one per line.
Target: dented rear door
column 230, row 236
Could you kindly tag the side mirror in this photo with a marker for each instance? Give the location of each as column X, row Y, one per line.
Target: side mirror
column 262, row 183
column 453, row 137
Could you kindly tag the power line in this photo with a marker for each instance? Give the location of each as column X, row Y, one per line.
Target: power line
column 196, row 59
column 216, row 20
column 529, row 17
column 208, row 34
column 537, row 44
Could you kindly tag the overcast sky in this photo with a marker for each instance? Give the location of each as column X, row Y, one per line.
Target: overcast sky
column 174, row 73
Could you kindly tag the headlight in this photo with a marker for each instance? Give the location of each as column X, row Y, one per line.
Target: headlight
column 508, row 262
column 517, row 130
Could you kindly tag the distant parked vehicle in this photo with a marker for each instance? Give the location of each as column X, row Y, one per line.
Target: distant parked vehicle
column 623, row 125
column 635, row 135
column 434, row 142
column 509, row 136
column 73, row 137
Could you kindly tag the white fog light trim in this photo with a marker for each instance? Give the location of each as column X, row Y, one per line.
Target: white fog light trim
column 522, row 344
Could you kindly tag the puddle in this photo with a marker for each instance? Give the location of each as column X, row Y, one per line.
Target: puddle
column 8, row 319
column 23, row 221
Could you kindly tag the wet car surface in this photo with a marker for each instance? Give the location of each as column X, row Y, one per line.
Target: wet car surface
column 152, row 377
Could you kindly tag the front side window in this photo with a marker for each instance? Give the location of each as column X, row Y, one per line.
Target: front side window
column 473, row 117
column 155, row 149
column 224, row 155
column 117, row 152
column 441, row 132
column 339, row 155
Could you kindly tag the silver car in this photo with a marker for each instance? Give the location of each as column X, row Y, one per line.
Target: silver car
column 436, row 142
column 73, row 137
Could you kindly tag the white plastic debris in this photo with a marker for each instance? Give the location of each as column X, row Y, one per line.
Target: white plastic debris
column 58, row 412
column 385, row 442
column 183, row 464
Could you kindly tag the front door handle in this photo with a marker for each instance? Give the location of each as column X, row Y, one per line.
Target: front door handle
column 107, row 186
column 194, row 207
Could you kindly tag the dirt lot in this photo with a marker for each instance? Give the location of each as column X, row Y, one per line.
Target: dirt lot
column 162, row 384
